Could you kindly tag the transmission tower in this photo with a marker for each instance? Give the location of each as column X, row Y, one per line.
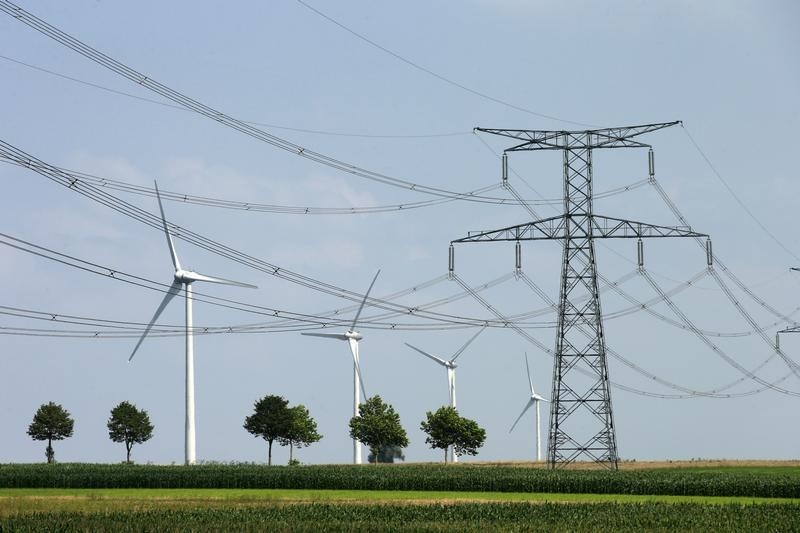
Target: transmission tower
column 581, row 417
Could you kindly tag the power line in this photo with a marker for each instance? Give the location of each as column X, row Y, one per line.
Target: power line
column 94, row 193
column 737, row 198
column 218, row 116
column 328, row 320
column 253, row 122
column 434, row 74
column 258, row 207
column 686, row 392
column 717, row 261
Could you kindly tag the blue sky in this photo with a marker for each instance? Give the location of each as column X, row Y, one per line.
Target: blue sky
column 729, row 70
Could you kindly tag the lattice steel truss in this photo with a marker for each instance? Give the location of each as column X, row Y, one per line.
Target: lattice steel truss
column 580, row 371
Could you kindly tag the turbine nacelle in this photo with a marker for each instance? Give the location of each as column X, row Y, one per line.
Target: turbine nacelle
column 189, row 276
column 185, row 276
column 356, row 336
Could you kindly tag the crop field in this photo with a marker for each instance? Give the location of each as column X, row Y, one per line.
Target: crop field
column 81, row 497
column 425, row 517
column 745, row 481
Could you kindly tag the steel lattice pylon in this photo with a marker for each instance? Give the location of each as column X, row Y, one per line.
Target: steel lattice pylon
column 581, row 416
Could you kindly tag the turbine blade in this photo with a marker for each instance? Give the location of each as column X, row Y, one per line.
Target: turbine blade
column 364, row 301
column 527, row 406
column 354, row 350
column 339, row 336
column 459, row 352
column 194, row 276
column 530, row 381
column 175, row 262
column 171, row 292
column 426, row 354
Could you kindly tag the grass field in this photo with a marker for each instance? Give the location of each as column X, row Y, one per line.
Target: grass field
column 693, row 497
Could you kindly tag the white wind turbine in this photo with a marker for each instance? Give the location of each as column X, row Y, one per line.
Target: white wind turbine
column 183, row 279
column 534, row 399
column 450, row 365
column 353, row 337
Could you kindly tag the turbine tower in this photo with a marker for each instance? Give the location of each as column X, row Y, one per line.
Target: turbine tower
column 534, row 400
column 581, row 418
column 353, row 337
column 183, row 279
column 450, row 365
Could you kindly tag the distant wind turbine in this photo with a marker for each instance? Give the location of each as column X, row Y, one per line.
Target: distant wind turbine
column 450, row 365
column 353, row 337
column 534, row 399
column 184, row 279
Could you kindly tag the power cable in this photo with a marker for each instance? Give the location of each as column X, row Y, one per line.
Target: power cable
column 714, row 348
column 206, row 201
column 717, row 261
column 186, row 198
column 434, row 74
column 689, row 393
column 736, row 196
column 226, row 120
column 326, row 320
column 254, row 123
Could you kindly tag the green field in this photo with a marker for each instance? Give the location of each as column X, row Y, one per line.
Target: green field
column 748, row 481
column 423, row 517
column 83, row 497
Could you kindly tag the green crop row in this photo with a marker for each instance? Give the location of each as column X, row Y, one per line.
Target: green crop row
column 434, row 517
column 406, row 477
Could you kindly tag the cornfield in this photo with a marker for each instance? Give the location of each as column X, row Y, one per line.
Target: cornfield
column 406, row 477
column 432, row 517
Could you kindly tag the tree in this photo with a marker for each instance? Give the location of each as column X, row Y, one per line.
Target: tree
column 129, row 425
column 447, row 428
column 387, row 454
column 377, row 425
column 51, row 422
column 301, row 431
column 270, row 420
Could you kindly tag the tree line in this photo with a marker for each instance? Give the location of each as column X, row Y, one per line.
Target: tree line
column 377, row 426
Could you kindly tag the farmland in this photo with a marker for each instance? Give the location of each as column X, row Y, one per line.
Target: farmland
column 430, row 517
column 462, row 497
column 775, row 482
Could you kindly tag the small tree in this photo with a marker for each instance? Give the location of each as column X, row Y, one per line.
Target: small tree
column 129, row 425
column 301, row 431
column 387, row 454
column 51, row 422
column 447, row 428
column 377, row 425
column 270, row 420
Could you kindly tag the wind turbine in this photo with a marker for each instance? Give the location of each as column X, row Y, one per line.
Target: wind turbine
column 183, row 279
column 534, row 399
column 450, row 365
column 353, row 337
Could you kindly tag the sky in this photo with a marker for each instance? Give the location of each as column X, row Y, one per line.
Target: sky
column 729, row 70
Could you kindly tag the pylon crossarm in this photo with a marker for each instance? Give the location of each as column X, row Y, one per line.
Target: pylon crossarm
column 602, row 227
column 560, row 140
column 617, row 228
column 546, row 228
